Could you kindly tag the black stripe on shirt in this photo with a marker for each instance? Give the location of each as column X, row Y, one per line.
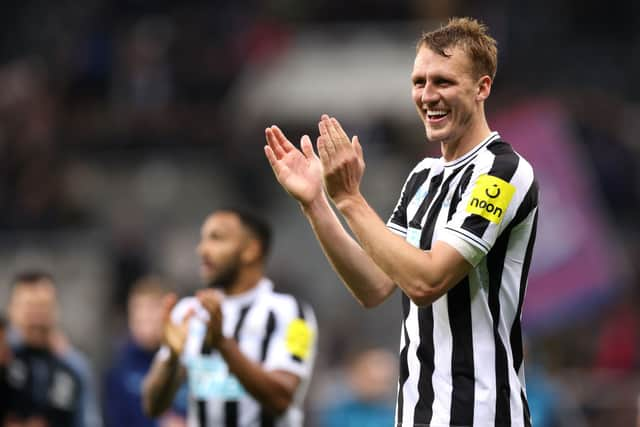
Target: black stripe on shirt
column 241, row 317
column 270, row 327
column 516, row 329
column 504, row 167
column 415, row 181
column 231, row 406
column 202, row 413
column 525, row 409
column 495, row 266
column 300, row 316
column 529, row 202
column 266, row 419
column 403, row 371
column 231, row 413
column 434, row 211
column 459, row 191
column 423, row 411
column 416, row 221
column 462, row 366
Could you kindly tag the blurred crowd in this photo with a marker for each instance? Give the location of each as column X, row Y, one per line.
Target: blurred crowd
column 111, row 110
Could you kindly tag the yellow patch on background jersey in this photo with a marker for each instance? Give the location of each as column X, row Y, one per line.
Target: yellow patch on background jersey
column 299, row 338
column 490, row 198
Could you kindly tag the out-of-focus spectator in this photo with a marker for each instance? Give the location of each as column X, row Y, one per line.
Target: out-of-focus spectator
column 550, row 403
column 617, row 353
column 371, row 377
column 123, row 385
column 4, row 360
column 50, row 382
column 28, row 151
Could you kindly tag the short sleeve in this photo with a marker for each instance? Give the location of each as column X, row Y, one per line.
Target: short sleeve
column 488, row 204
column 294, row 340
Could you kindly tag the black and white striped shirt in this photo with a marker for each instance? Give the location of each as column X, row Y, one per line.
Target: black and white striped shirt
column 461, row 361
column 273, row 329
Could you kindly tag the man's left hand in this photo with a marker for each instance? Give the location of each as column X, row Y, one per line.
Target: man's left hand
column 342, row 160
column 211, row 300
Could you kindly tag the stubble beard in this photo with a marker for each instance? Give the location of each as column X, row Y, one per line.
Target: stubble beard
column 226, row 278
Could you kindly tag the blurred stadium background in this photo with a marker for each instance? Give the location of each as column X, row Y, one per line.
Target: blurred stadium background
column 123, row 123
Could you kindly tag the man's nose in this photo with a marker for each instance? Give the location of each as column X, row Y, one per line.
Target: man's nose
column 429, row 94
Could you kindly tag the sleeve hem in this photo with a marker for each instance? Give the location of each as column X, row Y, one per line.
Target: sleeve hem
column 471, row 250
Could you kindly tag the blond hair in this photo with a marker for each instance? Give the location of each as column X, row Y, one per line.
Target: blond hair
column 470, row 35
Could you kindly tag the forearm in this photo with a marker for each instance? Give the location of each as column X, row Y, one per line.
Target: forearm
column 161, row 384
column 273, row 391
column 421, row 275
column 366, row 281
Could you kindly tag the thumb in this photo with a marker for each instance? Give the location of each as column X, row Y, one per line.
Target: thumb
column 355, row 141
column 307, row 147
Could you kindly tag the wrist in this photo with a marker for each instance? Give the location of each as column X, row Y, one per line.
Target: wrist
column 316, row 205
column 224, row 344
column 347, row 204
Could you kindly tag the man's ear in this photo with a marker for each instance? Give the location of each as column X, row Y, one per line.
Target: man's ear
column 484, row 88
column 252, row 252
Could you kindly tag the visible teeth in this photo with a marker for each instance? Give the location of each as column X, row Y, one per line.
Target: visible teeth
column 436, row 113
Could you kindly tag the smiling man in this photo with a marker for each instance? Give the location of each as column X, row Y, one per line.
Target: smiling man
column 245, row 350
column 458, row 243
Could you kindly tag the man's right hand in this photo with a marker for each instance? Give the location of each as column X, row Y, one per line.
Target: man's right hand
column 298, row 171
column 175, row 335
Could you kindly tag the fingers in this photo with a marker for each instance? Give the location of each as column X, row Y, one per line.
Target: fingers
column 210, row 299
column 328, row 142
column 321, row 143
column 273, row 143
column 337, row 138
column 355, row 141
column 277, row 141
column 307, row 147
column 271, row 156
column 336, row 132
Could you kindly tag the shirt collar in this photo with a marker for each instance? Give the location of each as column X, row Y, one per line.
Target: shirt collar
column 263, row 285
column 460, row 160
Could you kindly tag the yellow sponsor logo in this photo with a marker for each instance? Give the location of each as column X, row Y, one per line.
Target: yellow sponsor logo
column 490, row 198
column 299, row 338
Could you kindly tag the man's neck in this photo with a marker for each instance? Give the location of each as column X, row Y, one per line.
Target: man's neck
column 452, row 150
column 247, row 280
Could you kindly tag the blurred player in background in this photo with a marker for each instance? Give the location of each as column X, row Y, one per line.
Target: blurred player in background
column 245, row 350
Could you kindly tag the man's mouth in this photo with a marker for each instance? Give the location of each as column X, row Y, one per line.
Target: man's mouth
column 206, row 266
column 436, row 115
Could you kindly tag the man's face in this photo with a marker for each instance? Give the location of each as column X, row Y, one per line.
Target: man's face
column 33, row 311
column 222, row 242
column 445, row 93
